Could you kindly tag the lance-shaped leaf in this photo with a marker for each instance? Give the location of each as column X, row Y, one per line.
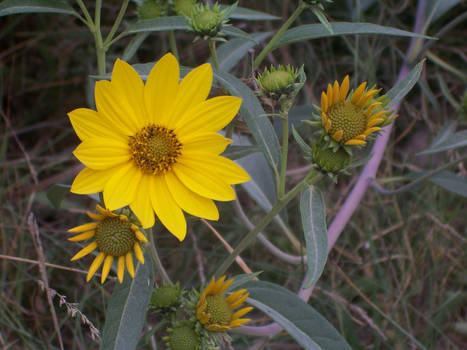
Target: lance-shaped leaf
column 403, row 87
column 11, row 7
column 160, row 24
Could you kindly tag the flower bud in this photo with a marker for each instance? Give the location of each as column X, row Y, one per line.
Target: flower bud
column 165, row 297
column 149, row 9
column 328, row 159
column 206, row 21
column 183, row 337
column 184, row 7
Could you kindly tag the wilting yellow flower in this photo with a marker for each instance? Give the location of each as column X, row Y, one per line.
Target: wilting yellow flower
column 349, row 120
column 155, row 146
column 114, row 237
column 216, row 312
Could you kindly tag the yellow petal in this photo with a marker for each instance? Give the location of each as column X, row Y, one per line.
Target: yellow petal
column 190, row 201
column 95, row 216
column 355, row 142
column 324, row 119
column 82, row 236
column 344, row 88
column 370, row 109
column 204, row 183
column 360, row 137
column 85, row 251
column 328, row 125
column 91, row 181
column 84, row 227
column 205, row 142
column 370, row 130
column 193, row 90
column 140, row 236
column 161, row 89
column 234, row 296
column 338, row 135
column 239, row 322
column 225, row 286
column 358, row 93
column 129, row 264
column 120, row 190
column 167, row 210
column 227, row 169
column 108, row 105
column 324, row 102
column 218, row 284
column 101, row 153
column 141, row 205
column 377, row 115
column 241, row 312
column 95, row 265
column 373, row 121
column 106, row 268
column 90, row 124
column 210, row 115
column 138, row 253
column 335, row 91
column 239, row 301
column 129, row 89
column 366, row 97
column 329, row 95
column 120, row 268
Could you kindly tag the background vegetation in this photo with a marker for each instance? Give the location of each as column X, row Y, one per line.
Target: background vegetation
column 401, row 260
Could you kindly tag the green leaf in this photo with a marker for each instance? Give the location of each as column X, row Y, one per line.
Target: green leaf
column 313, row 212
column 311, row 330
column 436, row 8
column 403, row 87
column 231, row 52
column 240, row 280
column 11, row 7
column 133, row 46
column 451, row 182
column 445, row 140
column 315, row 31
column 251, row 109
column 56, row 193
column 160, row 24
column 322, row 18
column 237, row 152
column 126, row 312
column 246, row 14
column 238, row 33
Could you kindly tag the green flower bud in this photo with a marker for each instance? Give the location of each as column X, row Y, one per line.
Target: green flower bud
column 166, row 297
column 278, row 82
column 328, row 159
column 206, row 21
column 183, row 337
column 149, row 9
column 184, row 7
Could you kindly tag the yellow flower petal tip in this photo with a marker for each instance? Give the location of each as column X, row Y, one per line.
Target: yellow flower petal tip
column 154, row 146
column 114, row 236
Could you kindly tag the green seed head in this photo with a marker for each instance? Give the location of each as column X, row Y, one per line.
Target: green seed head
column 219, row 309
column 347, row 117
column 183, row 337
column 277, row 82
column 166, row 297
column 115, row 236
column 328, row 160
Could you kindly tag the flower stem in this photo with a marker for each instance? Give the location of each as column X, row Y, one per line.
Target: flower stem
column 100, row 50
column 89, row 22
column 310, row 179
column 156, row 262
column 212, row 48
column 173, row 44
column 285, row 149
column 116, row 24
column 276, row 37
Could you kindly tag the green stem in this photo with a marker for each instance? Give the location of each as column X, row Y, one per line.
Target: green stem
column 310, row 179
column 156, row 262
column 116, row 24
column 269, row 47
column 100, row 50
column 212, row 48
column 173, row 44
column 89, row 21
column 285, row 149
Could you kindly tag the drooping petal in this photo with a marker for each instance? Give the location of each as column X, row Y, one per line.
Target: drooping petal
column 95, row 265
column 370, row 130
column 161, row 89
column 239, row 301
column 90, row 124
column 141, row 205
column 120, row 268
column 193, row 90
column 106, row 268
column 241, row 312
column 344, row 88
column 138, row 253
column 167, row 210
column 210, row 115
column 129, row 89
column 120, row 190
column 108, row 105
column 85, row 251
column 205, row 142
column 95, row 216
column 374, row 121
column 370, row 109
column 129, row 264
column 102, row 153
column 140, row 236
column 190, row 201
column 204, row 183
column 82, row 236
column 227, row 169
column 84, row 227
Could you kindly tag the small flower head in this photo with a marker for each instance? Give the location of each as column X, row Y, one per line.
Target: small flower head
column 149, row 9
column 207, row 21
column 184, row 7
column 216, row 312
column 348, row 119
column 328, row 159
column 115, row 236
column 183, row 336
column 166, row 298
column 276, row 82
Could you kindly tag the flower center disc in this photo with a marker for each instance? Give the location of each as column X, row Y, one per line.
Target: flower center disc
column 115, row 237
column 219, row 309
column 347, row 117
column 154, row 149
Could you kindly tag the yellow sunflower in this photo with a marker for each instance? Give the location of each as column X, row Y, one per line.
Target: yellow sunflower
column 216, row 312
column 155, row 146
column 114, row 237
column 350, row 119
